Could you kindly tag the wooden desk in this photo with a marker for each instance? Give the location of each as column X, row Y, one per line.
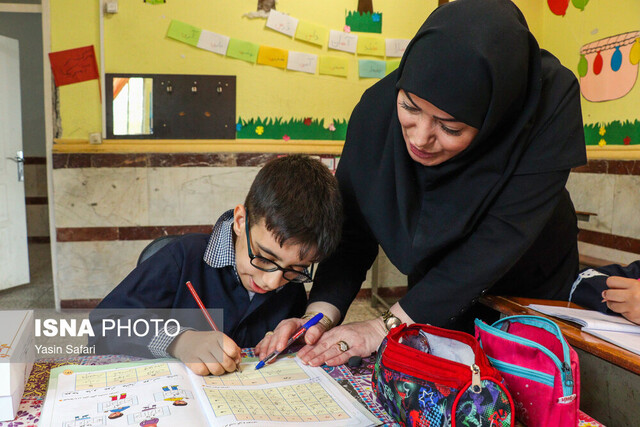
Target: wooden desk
column 582, row 340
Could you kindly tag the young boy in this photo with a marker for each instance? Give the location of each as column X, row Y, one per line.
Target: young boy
column 610, row 289
column 253, row 266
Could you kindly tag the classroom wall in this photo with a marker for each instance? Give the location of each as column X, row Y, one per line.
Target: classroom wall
column 136, row 42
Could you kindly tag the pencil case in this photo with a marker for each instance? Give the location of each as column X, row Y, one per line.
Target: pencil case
column 429, row 376
column 540, row 368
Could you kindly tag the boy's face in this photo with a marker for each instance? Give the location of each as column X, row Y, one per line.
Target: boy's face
column 263, row 244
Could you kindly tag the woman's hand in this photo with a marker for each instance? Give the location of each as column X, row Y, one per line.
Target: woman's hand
column 206, row 352
column 623, row 296
column 362, row 339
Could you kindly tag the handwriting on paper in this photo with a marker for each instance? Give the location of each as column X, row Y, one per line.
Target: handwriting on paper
column 74, row 65
column 216, row 43
column 305, row 62
column 282, row 23
column 346, row 42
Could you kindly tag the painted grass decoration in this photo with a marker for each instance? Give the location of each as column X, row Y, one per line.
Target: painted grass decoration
column 364, row 22
column 295, row 129
column 613, row 133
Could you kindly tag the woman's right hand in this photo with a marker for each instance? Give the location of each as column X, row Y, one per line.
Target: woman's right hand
column 285, row 330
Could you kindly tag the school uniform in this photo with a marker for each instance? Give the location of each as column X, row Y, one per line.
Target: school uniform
column 586, row 291
column 208, row 262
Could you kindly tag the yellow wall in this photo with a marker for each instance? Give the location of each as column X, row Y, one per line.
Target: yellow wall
column 136, row 42
column 564, row 36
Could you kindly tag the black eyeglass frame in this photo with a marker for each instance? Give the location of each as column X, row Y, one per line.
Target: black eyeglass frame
column 306, row 274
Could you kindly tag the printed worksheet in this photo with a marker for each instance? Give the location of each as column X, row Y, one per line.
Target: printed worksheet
column 167, row 393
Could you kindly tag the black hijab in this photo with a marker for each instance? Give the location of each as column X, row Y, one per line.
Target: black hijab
column 477, row 61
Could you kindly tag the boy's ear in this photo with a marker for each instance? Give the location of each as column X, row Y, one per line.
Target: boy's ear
column 239, row 218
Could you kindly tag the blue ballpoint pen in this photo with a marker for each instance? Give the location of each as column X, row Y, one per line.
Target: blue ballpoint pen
column 315, row 319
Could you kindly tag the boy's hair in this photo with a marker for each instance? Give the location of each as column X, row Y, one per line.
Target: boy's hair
column 300, row 202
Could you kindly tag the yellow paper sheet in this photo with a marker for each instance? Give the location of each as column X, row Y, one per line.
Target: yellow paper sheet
column 373, row 46
column 311, row 33
column 334, row 66
column 273, row 56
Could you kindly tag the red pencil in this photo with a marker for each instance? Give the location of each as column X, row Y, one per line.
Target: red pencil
column 202, row 308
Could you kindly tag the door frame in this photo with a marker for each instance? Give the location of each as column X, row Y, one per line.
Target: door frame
column 44, row 10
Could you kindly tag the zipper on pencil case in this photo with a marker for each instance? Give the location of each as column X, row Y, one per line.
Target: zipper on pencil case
column 407, row 364
column 410, row 369
column 519, row 371
column 563, row 367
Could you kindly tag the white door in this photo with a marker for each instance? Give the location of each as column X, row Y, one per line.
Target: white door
column 14, row 258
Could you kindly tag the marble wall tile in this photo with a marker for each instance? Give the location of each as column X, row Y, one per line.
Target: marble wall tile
column 593, row 193
column 613, row 255
column 626, row 212
column 35, row 180
column 196, row 195
column 93, row 269
column 37, row 220
column 99, row 197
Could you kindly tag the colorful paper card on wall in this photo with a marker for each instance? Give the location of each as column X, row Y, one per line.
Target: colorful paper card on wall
column 240, row 49
column 396, row 47
column 74, row 65
column 334, row 66
column 370, row 46
column 272, row 56
column 371, row 68
column 282, row 23
column 216, row 43
column 184, row 32
column 305, row 62
column 392, row 64
column 346, row 42
column 311, row 33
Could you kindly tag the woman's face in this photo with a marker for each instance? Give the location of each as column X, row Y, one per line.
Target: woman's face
column 432, row 136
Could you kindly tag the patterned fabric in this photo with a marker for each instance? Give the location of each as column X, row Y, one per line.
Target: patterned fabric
column 414, row 401
column 220, row 251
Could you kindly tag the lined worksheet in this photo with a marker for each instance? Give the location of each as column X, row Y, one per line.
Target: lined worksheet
column 167, row 393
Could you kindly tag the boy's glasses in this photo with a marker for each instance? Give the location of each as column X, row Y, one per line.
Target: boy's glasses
column 269, row 266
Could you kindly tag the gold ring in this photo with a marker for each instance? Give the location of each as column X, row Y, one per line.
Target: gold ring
column 343, row 346
column 268, row 333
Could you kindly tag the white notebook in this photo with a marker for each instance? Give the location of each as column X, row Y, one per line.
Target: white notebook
column 614, row 329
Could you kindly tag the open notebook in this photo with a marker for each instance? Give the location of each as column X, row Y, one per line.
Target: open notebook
column 166, row 393
column 615, row 329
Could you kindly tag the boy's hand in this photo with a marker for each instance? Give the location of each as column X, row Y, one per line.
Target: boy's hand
column 623, row 296
column 206, row 352
column 286, row 328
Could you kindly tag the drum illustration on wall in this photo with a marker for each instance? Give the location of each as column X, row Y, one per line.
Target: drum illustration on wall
column 608, row 68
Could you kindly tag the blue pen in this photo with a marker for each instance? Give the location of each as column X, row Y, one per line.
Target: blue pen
column 315, row 319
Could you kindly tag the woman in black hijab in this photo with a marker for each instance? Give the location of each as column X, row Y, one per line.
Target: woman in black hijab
column 455, row 164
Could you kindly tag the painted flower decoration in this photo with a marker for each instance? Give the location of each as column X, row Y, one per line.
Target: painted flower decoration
column 307, row 121
column 259, row 130
column 346, row 29
column 602, row 142
column 602, row 131
column 238, row 127
column 331, row 127
column 286, row 138
column 626, row 140
column 376, row 17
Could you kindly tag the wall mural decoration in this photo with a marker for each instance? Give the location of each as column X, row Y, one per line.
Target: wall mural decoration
column 305, row 128
column 613, row 133
column 608, row 68
column 364, row 20
column 559, row 7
